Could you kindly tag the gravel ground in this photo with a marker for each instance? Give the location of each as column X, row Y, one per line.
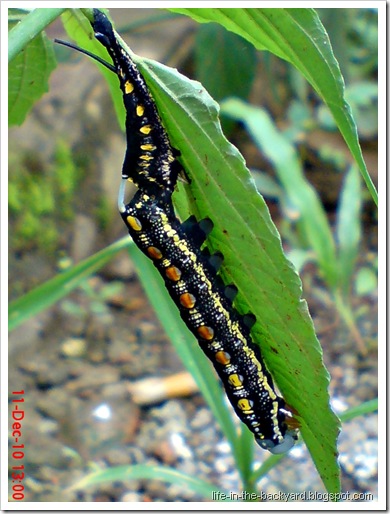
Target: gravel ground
column 75, row 366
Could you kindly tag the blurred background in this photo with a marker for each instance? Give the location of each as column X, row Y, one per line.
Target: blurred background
column 80, row 359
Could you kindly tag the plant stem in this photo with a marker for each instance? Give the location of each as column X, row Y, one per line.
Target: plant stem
column 345, row 311
column 26, row 30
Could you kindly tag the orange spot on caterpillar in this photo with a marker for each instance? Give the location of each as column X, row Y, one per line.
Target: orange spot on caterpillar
column 154, row 252
column 187, row 300
column 173, row 273
column 206, row 332
column 222, row 357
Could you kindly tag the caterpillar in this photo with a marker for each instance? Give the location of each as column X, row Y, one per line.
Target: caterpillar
column 190, row 273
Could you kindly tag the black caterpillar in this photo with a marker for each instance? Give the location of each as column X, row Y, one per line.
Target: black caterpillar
column 190, row 274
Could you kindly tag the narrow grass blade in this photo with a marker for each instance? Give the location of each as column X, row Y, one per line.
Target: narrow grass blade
column 360, row 410
column 348, row 228
column 164, row 473
column 53, row 290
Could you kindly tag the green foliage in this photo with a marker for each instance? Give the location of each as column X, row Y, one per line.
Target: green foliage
column 29, row 70
column 66, row 176
column 140, row 471
column 300, row 194
column 297, row 36
column 27, row 28
column 335, row 260
column 48, row 194
column 313, row 239
column 103, row 207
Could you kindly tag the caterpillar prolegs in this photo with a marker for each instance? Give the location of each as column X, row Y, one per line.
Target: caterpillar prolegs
column 190, row 274
column 191, row 280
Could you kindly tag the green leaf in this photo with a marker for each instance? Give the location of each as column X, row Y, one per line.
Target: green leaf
column 30, row 27
column 141, row 471
column 230, row 68
column 360, row 410
column 28, row 73
column 366, row 281
column 348, row 227
column 53, row 290
column 269, row 286
column 282, row 154
column 297, row 36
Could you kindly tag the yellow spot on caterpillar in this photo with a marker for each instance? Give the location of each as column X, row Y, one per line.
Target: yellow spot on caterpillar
column 146, row 157
column 154, row 252
column 146, row 129
column 148, row 148
column 206, row 332
column 187, row 300
column 129, row 88
column 140, row 109
column 245, row 405
column 134, row 223
column 222, row 358
column 173, row 273
column 235, row 380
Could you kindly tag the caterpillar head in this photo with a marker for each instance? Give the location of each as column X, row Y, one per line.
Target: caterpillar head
column 278, row 448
